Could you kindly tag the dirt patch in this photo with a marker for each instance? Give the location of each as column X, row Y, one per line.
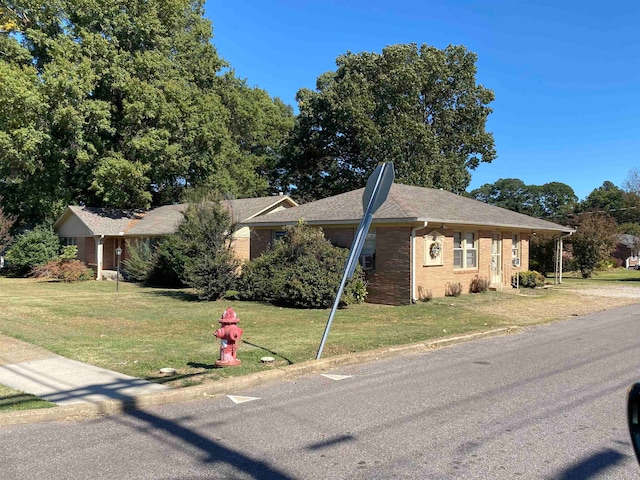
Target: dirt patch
column 16, row 351
column 557, row 303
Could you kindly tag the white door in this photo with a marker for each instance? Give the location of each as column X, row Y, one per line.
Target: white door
column 496, row 259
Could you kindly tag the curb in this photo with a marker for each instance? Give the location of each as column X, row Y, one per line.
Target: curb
column 85, row 411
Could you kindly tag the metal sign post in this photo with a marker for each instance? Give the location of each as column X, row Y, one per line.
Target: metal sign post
column 374, row 195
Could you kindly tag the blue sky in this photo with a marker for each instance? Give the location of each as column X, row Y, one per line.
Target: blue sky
column 566, row 74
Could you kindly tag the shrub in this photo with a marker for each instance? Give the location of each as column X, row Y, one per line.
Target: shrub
column 168, row 263
column 140, row 261
column 608, row 264
column 453, row 289
column 33, row 248
column 63, row 269
column 424, row 294
column 302, row 270
column 527, row 279
column 479, row 284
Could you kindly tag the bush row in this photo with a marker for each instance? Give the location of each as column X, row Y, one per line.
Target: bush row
column 300, row 270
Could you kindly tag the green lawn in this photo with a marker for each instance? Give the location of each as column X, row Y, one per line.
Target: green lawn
column 139, row 330
column 621, row 275
column 14, row 400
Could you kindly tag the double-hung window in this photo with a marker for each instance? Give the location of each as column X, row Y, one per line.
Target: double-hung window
column 465, row 250
column 515, row 250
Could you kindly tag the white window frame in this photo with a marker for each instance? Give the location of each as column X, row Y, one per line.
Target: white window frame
column 462, row 246
column 516, row 245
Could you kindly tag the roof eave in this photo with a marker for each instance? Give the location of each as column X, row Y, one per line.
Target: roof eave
column 429, row 221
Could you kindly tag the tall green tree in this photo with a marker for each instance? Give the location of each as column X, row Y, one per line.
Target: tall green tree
column 417, row 106
column 6, row 224
column 124, row 104
column 623, row 206
column 204, row 238
column 509, row 193
column 554, row 200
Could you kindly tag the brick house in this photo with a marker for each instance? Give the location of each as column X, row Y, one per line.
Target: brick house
column 628, row 250
column 98, row 232
column 420, row 239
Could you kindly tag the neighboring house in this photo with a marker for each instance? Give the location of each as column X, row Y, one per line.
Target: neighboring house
column 627, row 250
column 420, row 239
column 98, row 232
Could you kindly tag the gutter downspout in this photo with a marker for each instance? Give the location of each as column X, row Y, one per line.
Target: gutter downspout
column 559, row 259
column 414, row 298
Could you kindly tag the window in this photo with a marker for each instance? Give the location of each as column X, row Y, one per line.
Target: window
column 465, row 251
column 515, row 250
column 279, row 235
column 368, row 255
column 68, row 241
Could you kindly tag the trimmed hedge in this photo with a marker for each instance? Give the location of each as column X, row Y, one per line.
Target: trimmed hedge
column 528, row 279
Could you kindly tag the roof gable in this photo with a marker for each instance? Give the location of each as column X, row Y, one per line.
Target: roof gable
column 89, row 221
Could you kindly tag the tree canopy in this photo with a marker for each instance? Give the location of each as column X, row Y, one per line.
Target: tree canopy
column 417, row 106
column 553, row 200
column 623, row 206
column 124, row 104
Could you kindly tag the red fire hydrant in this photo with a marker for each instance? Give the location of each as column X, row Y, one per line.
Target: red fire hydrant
column 228, row 334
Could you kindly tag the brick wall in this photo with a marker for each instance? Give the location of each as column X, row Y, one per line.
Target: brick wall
column 89, row 251
column 241, row 247
column 433, row 279
column 259, row 242
column 390, row 282
column 339, row 236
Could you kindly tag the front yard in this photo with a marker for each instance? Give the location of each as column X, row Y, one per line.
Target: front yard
column 139, row 330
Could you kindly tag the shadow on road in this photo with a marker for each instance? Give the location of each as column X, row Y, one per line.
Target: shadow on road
column 213, row 452
column 593, row 465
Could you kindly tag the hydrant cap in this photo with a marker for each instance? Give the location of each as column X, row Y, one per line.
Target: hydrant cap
column 229, row 316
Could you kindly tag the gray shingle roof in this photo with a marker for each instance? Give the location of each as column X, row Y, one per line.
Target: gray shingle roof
column 628, row 240
column 105, row 221
column 406, row 204
column 161, row 220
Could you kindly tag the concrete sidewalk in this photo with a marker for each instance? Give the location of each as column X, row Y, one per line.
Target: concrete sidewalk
column 87, row 391
column 63, row 381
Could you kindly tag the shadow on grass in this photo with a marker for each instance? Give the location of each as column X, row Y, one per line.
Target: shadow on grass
column 176, row 294
column 275, row 354
column 586, row 281
column 206, row 366
column 22, row 401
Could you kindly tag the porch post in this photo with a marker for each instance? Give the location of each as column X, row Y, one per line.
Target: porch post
column 99, row 249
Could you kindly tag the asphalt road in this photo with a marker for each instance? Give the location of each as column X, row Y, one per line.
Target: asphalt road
column 547, row 403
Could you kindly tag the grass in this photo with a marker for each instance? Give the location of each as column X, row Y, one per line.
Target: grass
column 14, row 400
column 615, row 275
column 139, row 330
